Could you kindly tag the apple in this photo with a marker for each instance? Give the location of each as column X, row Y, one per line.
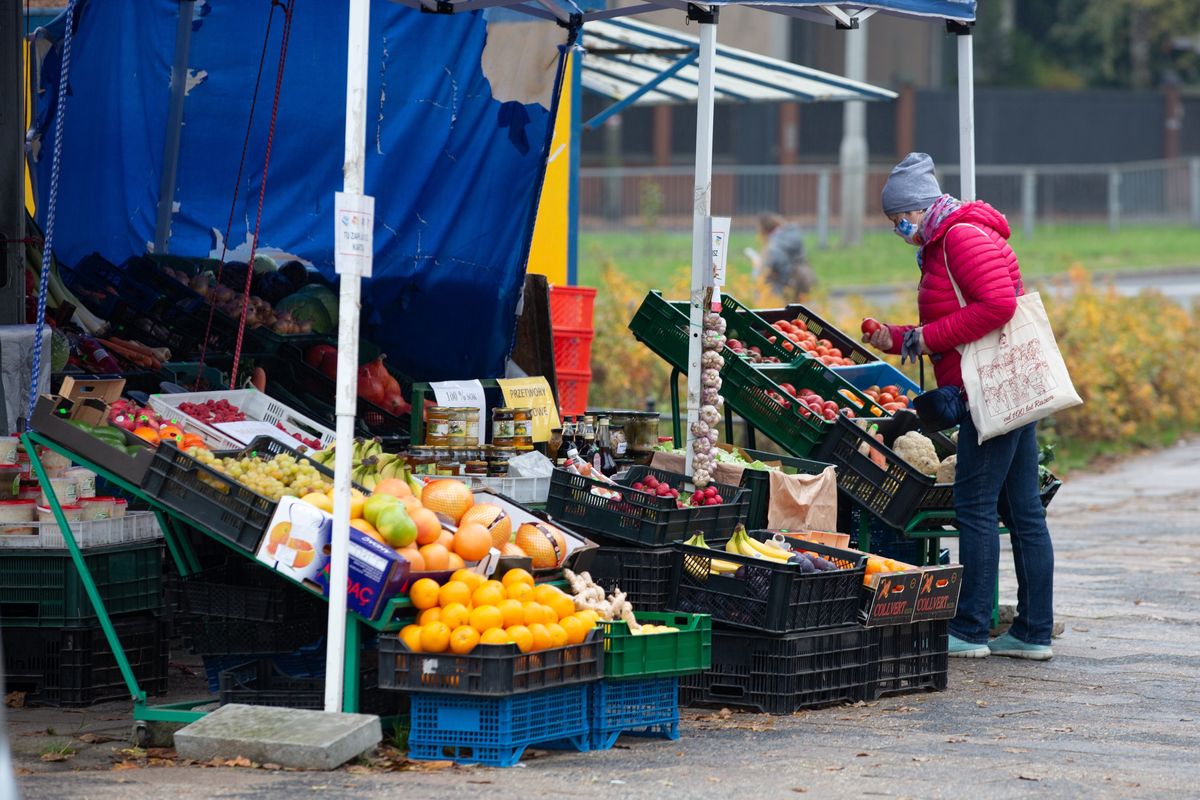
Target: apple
column 396, row 526
column 375, row 505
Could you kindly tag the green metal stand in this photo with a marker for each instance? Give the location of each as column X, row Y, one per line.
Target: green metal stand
column 397, row 613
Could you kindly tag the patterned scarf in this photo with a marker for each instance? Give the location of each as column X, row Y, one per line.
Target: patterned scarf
column 935, row 215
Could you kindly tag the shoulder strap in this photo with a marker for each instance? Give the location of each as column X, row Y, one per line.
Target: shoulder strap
column 946, row 260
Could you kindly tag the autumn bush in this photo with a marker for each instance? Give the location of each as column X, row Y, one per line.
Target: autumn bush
column 1133, row 359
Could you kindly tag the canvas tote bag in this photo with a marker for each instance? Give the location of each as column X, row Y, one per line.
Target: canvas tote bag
column 1014, row 375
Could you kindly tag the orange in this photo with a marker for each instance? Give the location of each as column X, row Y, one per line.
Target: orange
column 424, row 593
column 367, row 528
column 495, row 636
column 436, row 557
column 513, row 611
column 558, row 636
column 517, row 576
column 455, row 615
column 589, row 617
column 472, row 579
column 543, row 593
column 541, row 636
column 428, row 527
column 472, row 541
column 412, row 555
column 394, row 486
column 446, row 540
column 575, row 629
column 484, row 618
column 435, row 637
column 548, row 614
column 563, row 606
column 533, row 612
column 521, row 635
column 411, row 636
column 520, row 591
column 487, row 595
column 454, row 592
column 429, row 615
column 454, row 561
column 463, row 639
column 412, row 504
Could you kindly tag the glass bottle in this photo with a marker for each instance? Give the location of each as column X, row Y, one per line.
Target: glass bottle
column 589, row 439
column 603, row 459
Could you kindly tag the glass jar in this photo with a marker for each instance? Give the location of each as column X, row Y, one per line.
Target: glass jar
column 618, row 441
column 554, row 444
column 447, row 463
column 457, row 428
column 470, row 418
column 503, row 421
column 498, row 462
column 422, row 460
column 476, row 466
column 522, row 427
column 437, row 426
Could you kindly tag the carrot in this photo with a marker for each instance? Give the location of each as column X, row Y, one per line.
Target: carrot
column 133, row 356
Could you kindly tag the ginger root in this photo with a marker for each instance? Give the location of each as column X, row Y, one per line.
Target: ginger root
column 588, row 596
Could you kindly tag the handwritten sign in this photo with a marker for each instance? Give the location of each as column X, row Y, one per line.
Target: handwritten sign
column 533, row 393
column 463, row 394
column 353, row 229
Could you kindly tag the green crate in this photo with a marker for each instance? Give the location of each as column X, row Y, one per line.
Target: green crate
column 43, row 589
column 743, row 324
column 663, row 328
column 658, row 654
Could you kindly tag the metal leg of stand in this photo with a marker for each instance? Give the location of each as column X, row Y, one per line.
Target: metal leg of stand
column 677, row 426
column 350, row 683
column 85, row 574
column 864, row 532
column 177, row 543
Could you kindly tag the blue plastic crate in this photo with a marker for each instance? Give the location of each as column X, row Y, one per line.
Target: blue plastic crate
column 647, row 707
column 495, row 731
column 306, row 662
column 879, row 373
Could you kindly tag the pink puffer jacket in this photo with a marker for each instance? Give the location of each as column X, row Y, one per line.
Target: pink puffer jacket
column 986, row 271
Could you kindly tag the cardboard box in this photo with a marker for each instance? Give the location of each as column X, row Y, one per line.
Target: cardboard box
column 91, row 397
column 937, row 596
column 297, row 546
column 51, row 418
column 912, row 595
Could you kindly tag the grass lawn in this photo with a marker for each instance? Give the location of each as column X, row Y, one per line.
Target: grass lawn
column 654, row 259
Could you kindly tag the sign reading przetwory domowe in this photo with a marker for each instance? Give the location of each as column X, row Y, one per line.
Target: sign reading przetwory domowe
column 535, row 394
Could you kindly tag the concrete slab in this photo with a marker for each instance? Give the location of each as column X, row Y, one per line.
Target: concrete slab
column 289, row 737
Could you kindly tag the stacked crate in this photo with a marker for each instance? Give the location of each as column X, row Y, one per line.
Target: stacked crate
column 571, row 319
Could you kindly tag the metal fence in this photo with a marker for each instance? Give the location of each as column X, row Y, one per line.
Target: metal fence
column 1112, row 194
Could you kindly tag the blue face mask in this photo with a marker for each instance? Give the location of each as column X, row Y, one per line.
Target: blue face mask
column 906, row 231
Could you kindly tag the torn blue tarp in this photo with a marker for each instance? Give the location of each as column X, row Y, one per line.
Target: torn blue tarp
column 454, row 161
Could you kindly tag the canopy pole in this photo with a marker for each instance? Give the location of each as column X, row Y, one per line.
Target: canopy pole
column 966, row 111
column 701, row 209
column 350, row 292
column 170, row 159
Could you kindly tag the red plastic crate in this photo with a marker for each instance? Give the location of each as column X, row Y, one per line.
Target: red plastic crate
column 573, row 391
column 571, row 306
column 573, row 349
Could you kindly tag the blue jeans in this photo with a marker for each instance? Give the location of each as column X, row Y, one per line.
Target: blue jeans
column 1000, row 478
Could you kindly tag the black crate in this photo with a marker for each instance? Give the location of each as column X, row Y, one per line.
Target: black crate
column 767, row 595
column 641, row 518
column 317, row 390
column 43, row 589
column 75, row 666
column 644, row 574
column 215, row 500
column 758, row 483
column 850, row 348
column 246, row 590
column 905, row 658
column 779, row 674
column 893, row 493
column 213, row 636
column 262, row 683
column 489, row 670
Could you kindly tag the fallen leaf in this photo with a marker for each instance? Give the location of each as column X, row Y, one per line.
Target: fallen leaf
column 94, row 738
column 56, row 756
column 834, row 768
column 799, row 789
column 713, row 779
column 120, row 765
column 1028, row 778
column 240, row 761
column 270, row 766
column 133, row 752
column 15, row 699
column 1063, row 729
column 434, row 765
column 358, row 769
column 161, row 752
column 724, row 713
column 861, row 755
column 981, row 703
column 479, row 782
column 161, row 762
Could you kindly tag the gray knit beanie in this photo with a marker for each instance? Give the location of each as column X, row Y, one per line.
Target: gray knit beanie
column 912, row 185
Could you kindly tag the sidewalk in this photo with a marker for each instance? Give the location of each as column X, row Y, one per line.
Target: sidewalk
column 1115, row 714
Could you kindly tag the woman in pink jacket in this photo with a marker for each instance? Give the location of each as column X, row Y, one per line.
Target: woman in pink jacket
column 1000, row 477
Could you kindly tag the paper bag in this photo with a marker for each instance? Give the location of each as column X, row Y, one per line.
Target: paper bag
column 803, row 502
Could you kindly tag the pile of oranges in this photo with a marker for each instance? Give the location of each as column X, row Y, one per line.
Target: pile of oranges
column 879, row 566
column 468, row 611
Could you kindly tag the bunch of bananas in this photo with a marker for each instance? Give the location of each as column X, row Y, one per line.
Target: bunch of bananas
column 700, row 567
column 371, row 464
column 742, row 544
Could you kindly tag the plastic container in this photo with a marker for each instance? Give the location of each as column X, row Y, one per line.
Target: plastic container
column 9, row 445
column 647, row 707
column 29, row 489
column 625, row 514
column 878, row 373
column 16, row 516
column 573, row 388
column 54, row 464
column 74, row 666
column 658, row 654
column 263, row 683
column 64, row 489
column 905, row 658
column 209, row 636
column 493, row 670
column 45, row 514
column 780, row 674
column 849, row 345
column 573, row 348
column 10, row 481
column 139, row 526
column 255, row 405
column 495, row 731
column 245, row 591
column 642, row 573
column 120, row 507
column 571, row 306
column 85, row 481
column 768, row 595
column 96, row 508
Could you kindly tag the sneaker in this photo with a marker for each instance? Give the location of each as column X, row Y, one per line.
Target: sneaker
column 960, row 649
column 1011, row 646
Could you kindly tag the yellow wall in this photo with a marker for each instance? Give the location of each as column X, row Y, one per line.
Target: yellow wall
column 548, row 255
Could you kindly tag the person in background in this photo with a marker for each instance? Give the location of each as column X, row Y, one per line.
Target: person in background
column 1000, row 476
column 783, row 263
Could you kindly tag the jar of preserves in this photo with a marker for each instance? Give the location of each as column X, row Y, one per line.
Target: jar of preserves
column 422, row 460
column 470, row 426
column 476, row 466
column 456, row 436
column 437, row 426
column 498, row 462
column 447, row 463
column 522, row 427
column 503, row 421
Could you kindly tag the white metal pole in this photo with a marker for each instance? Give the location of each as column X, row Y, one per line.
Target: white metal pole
column 701, row 208
column 853, row 151
column 347, row 360
column 966, row 114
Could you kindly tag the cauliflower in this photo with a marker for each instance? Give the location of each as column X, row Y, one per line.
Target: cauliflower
column 946, row 472
column 917, row 449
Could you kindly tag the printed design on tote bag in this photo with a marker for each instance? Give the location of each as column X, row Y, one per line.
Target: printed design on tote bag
column 1015, row 371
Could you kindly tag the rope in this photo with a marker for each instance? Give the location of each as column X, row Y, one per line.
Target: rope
column 262, row 189
column 60, row 114
column 262, row 60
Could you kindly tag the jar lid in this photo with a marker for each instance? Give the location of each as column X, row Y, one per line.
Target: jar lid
column 121, row 501
column 26, row 502
column 97, row 500
column 67, row 507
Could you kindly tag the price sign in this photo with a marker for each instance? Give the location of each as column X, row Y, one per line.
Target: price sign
column 353, row 228
column 535, row 394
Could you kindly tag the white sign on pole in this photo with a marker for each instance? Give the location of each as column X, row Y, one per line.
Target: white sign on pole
column 462, row 394
column 354, row 223
column 719, row 228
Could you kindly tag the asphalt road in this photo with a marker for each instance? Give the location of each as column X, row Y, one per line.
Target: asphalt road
column 1115, row 714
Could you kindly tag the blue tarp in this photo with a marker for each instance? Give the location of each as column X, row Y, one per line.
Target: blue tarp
column 455, row 173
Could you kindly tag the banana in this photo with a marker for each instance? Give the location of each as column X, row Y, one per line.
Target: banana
column 762, row 550
column 370, row 481
column 373, row 447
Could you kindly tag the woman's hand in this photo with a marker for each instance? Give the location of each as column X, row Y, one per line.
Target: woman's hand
column 880, row 338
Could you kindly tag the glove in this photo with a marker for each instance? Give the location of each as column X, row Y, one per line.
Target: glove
column 913, row 347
